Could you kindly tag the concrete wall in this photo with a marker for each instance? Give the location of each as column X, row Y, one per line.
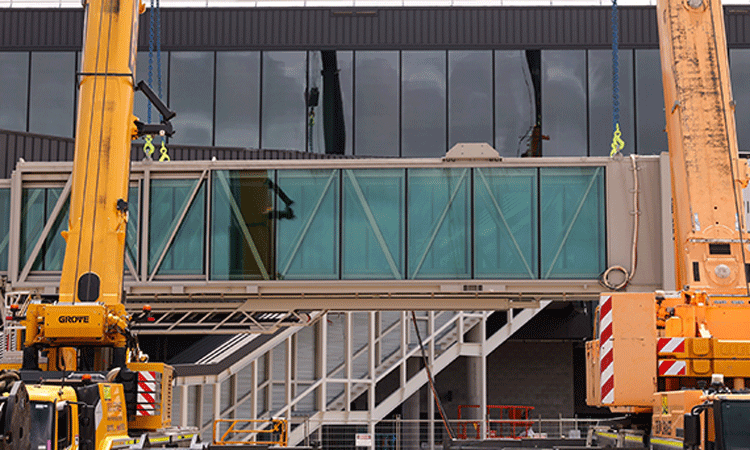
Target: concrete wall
column 538, row 374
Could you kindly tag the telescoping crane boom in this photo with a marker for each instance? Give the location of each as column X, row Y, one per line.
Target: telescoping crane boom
column 95, row 390
column 687, row 341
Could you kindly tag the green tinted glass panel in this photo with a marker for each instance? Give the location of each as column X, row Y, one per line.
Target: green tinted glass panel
column 241, row 226
column 169, row 199
column 38, row 204
column 308, row 242
column 4, row 227
column 505, row 223
column 438, row 223
column 32, row 222
column 373, row 225
column 131, row 240
column 572, row 222
column 53, row 251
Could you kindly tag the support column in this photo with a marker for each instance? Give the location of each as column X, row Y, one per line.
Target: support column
column 321, row 365
column 184, row 402
column 476, row 384
column 430, row 397
column 412, row 411
column 254, row 391
column 348, row 346
column 233, row 394
column 198, row 406
column 217, row 404
column 289, row 382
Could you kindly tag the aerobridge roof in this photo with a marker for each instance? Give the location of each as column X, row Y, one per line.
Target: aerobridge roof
column 16, row 145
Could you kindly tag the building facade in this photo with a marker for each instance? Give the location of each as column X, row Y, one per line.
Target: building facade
column 367, row 81
column 396, row 82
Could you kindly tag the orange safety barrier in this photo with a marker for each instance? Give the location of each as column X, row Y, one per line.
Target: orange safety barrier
column 276, row 433
column 513, row 423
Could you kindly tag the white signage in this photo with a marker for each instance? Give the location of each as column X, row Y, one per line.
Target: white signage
column 363, row 439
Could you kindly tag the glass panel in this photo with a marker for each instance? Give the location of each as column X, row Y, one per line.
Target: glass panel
column 469, row 97
column 600, row 101
column 505, row 223
column 376, row 114
column 14, row 78
column 169, row 198
column 54, row 246
column 52, row 93
column 373, row 226
column 564, row 102
column 191, row 95
column 134, row 225
column 572, row 222
column 32, row 222
column 649, row 103
column 438, row 223
column 283, row 107
column 515, row 110
column 739, row 68
column 38, row 205
column 308, row 239
column 241, row 226
column 423, row 105
column 238, row 99
column 326, row 69
column 4, row 227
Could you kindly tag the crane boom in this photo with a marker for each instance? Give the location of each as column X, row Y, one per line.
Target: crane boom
column 93, row 265
column 707, row 176
column 89, row 311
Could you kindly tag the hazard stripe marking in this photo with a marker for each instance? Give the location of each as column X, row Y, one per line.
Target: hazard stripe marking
column 144, row 411
column 146, row 376
column 606, row 353
column 671, row 345
column 145, row 398
column 146, row 387
column 669, row 367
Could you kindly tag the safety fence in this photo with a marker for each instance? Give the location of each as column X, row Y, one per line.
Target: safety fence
column 403, row 434
column 256, row 431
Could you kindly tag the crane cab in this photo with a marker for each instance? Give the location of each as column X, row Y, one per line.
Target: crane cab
column 84, row 416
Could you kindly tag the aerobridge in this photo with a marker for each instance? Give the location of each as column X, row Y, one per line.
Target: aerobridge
column 248, row 246
column 301, row 273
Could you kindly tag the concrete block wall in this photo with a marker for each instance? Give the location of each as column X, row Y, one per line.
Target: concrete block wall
column 538, row 374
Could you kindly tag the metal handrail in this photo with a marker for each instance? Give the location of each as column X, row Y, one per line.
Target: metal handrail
column 278, row 427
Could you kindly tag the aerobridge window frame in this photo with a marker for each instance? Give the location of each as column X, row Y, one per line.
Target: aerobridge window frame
column 141, row 182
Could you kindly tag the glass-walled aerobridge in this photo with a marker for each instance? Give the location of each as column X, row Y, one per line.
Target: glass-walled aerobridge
column 323, row 220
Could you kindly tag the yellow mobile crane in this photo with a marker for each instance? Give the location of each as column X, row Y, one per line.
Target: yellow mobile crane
column 663, row 357
column 96, row 390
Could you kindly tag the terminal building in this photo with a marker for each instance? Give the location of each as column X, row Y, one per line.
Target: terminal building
column 308, row 205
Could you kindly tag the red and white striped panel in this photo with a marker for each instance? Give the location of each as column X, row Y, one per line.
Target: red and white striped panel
column 606, row 359
column 670, row 345
column 145, row 398
column 670, row 367
column 145, row 410
column 147, row 382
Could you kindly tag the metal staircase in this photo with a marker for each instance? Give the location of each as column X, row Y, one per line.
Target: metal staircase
column 449, row 338
column 313, row 375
